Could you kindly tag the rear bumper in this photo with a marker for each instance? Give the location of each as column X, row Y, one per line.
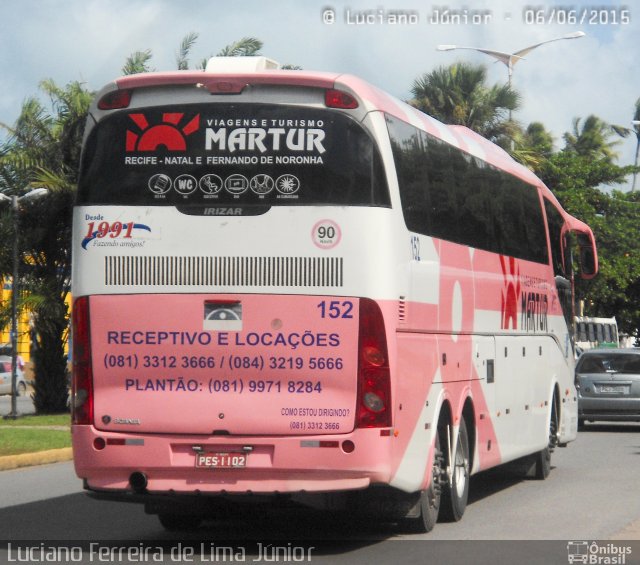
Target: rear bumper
column 618, row 409
column 274, row 464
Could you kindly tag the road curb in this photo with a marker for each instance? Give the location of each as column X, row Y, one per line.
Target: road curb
column 38, row 458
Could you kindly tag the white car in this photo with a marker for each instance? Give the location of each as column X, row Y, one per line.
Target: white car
column 5, row 378
column 608, row 384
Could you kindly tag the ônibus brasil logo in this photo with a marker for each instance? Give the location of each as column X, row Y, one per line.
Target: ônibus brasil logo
column 170, row 134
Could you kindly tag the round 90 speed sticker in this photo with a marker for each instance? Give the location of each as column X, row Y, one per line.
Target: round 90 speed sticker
column 326, row 234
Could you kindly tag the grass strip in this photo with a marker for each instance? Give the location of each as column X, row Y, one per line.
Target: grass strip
column 45, row 420
column 14, row 441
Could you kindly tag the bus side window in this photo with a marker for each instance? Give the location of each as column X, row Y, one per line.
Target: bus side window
column 555, row 222
column 449, row 194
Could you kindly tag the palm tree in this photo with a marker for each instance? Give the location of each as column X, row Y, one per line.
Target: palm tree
column 245, row 47
column 458, row 94
column 636, row 130
column 43, row 149
column 591, row 138
column 533, row 146
column 183, row 53
column 137, row 63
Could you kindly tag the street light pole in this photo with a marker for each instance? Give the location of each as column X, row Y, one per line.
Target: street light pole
column 636, row 128
column 510, row 59
column 15, row 200
column 14, row 312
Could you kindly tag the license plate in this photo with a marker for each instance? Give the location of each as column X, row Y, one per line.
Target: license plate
column 233, row 460
column 613, row 389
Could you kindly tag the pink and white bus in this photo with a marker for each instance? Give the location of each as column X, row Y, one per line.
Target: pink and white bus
column 291, row 283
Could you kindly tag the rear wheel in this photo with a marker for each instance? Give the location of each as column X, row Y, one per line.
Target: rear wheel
column 456, row 491
column 21, row 389
column 543, row 464
column 543, row 458
column 423, row 516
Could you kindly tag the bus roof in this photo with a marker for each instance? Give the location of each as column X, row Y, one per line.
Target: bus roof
column 369, row 96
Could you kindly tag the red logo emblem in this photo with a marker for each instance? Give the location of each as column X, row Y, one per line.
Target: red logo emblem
column 168, row 134
column 510, row 293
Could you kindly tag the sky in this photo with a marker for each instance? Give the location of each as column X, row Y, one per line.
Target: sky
column 89, row 41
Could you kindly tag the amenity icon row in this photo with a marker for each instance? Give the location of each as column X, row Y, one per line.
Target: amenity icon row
column 235, row 184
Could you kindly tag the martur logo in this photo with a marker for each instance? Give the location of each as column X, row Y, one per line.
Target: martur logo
column 169, row 134
column 510, row 293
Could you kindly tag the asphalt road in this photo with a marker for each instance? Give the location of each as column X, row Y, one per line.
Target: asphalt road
column 24, row 404
column 591, row 494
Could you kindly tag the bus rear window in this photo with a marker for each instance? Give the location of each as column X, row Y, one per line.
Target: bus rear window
column 248, row 155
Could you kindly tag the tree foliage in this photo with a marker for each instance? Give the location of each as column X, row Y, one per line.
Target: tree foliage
column 591, row 138
column 137, row 62
column 459, row 95
column 636, row 131
column 614, row 217
column 43, row 150
column 182, row 58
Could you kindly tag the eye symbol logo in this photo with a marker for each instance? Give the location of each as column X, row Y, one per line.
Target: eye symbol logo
column 223, row 316
column 168, row 134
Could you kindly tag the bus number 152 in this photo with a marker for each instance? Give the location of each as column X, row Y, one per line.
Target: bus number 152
column 336, row 309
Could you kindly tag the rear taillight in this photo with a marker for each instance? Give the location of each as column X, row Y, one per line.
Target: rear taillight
column 82, row 386
column 374, row 380
column 339, row 99
column 115, row 100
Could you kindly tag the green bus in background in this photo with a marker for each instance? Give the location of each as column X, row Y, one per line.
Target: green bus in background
column 596, row 332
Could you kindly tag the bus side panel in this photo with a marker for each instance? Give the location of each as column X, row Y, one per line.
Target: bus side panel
column 511, row 376
column 421, row 392
column 417, row 367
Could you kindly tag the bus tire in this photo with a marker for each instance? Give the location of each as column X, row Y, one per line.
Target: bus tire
column 422, row 518
column 455, row 492
column 543, row 464
column 179, row 522
column 543, row 458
